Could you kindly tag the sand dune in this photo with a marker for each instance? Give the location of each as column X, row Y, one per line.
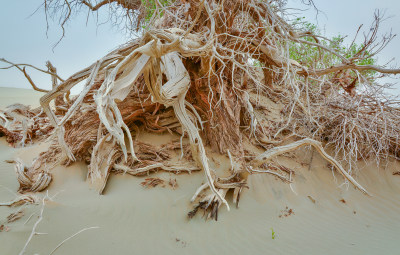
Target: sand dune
column 327, row 218
column 10, row 96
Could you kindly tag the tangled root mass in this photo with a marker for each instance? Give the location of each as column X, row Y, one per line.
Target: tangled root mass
column 208, row 71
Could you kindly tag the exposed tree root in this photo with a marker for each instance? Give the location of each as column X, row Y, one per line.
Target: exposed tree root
column 68, row 238
column 210, row 203
column 264, row 157
column 31, row 181
column 21, row 125
column 173, row 168
column 20, row 200
column 34, row 231
column 15, row 216
column 220, row 75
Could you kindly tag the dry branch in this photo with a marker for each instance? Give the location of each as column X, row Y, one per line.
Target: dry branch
column 342, row 67
column 77, row 233
column 264, row 157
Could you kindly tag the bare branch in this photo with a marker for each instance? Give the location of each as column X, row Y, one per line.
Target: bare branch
column 337, row 68
column 97, row 6
column 27, row 65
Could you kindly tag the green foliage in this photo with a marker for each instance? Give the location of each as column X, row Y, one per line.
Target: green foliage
column 272, row 233
column 315, row 58
column 258, row 63
column 150, row 6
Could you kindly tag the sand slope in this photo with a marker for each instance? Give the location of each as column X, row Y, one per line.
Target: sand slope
column 10, row 96
column 135, row 220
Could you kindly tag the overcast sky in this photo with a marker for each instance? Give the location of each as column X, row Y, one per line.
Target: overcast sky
column 24, row 40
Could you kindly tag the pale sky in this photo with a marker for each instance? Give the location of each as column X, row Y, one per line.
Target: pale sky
column 23, row 36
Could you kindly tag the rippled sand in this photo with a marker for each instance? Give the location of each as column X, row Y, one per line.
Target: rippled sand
column 327, row 218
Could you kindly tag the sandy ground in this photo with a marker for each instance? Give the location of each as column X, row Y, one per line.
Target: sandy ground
column 135, row 220
column 10, row 96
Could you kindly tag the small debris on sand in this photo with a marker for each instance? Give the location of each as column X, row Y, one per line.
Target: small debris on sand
column 152, row 182
column 183, row 243
column 173, row 183
column 312, row 199
column 15, row 216
column 287, row 212
column 4, row 228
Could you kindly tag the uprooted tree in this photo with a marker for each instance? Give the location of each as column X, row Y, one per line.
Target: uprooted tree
column 209, row 71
